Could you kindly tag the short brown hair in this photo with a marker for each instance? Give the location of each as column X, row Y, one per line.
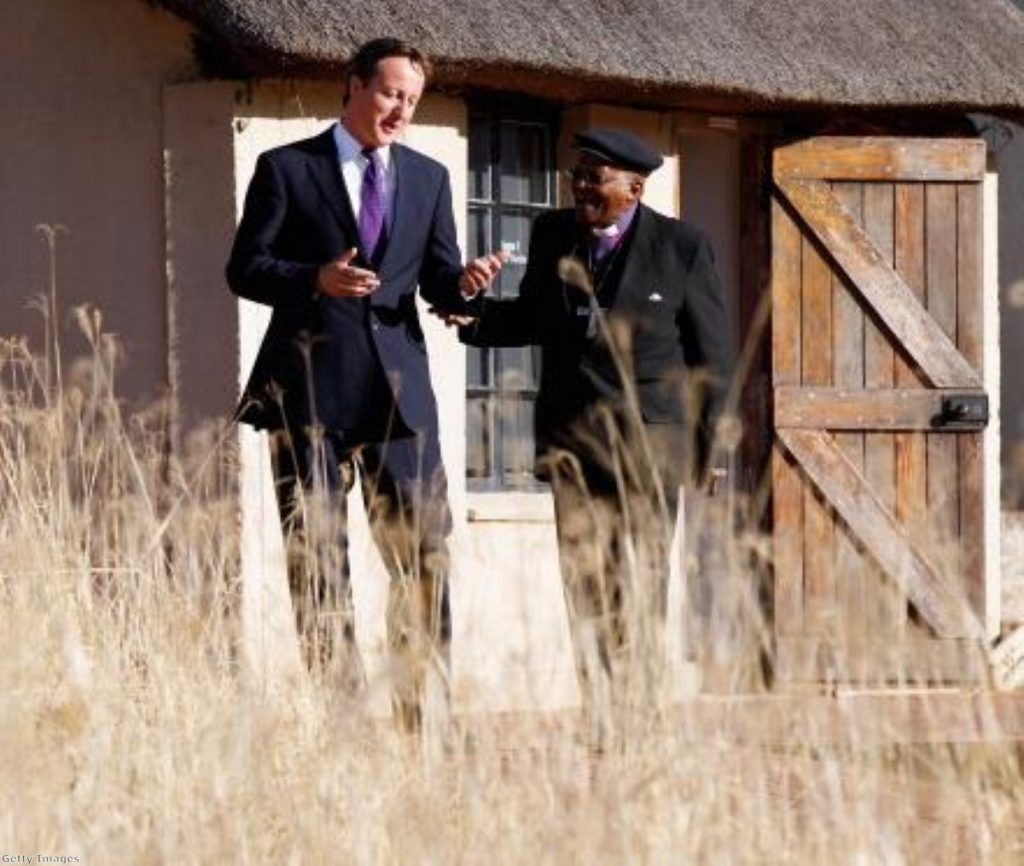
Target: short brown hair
column 363, row 64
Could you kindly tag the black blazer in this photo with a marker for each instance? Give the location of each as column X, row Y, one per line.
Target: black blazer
column 662, row 303
column 327, row 360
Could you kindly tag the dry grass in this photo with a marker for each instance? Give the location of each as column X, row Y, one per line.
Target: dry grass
column 129, row 733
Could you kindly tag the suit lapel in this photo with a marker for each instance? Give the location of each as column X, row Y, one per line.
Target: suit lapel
column 400, row 214
column 326, row 171
column 571, row 245
column 633, row 277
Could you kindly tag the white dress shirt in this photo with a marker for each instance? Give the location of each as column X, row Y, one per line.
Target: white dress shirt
column 353, row 166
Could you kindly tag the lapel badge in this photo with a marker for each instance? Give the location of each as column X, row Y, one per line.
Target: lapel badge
column 655, row 297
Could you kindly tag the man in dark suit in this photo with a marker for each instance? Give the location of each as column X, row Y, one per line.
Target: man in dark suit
column 636, row 356
column 337, row 232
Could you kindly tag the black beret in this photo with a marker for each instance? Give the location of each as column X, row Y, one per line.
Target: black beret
column 619, row 148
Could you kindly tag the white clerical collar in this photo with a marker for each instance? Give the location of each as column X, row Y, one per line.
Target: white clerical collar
column 349, row 149
column 617, row 227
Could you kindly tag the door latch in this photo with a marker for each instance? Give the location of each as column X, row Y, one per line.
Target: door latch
column 964, row 412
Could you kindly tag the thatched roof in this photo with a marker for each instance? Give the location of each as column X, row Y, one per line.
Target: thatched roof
column 723, row 54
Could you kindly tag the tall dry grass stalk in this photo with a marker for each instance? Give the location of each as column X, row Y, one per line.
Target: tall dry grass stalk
column 129, row 733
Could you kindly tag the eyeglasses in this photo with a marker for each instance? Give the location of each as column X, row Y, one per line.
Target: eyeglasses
column 591, row 177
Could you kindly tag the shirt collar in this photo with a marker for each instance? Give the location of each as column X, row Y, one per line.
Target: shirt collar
column 350, row 150
column 619, row 226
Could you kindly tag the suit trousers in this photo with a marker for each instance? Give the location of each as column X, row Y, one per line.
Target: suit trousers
column 614, row 538
column 405, row 493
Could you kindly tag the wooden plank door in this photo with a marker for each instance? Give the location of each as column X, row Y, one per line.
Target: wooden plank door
column 877, row 468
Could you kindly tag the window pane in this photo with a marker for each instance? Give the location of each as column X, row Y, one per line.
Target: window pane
column 524, row 163
column 480, row 158
column 479, row 230
column 515, row 240
column 479, row 436
column 516, row 369
column 517, row 441
column 478, row 367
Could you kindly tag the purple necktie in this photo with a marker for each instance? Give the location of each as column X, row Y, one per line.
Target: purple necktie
column 602, row 244
column 372, row 204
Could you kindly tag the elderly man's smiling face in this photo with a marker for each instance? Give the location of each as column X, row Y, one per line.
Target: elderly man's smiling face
column 601, row 192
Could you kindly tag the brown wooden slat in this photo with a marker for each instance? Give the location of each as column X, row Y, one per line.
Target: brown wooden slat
column 940, row 283
column 820, row 609
column 911, row 448
column 880, row 158
column 970, row 286
column 877, row 660
column 876, row 409
column 848, row 372
column 842, row 484
column 880, row 286
column 786, row 264
column 886, row 603
column 971, row 462
column 787, row 486
column 970, row 333
column 788, row 543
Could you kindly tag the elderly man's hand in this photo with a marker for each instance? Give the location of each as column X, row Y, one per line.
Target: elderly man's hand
column 453, row 320
column 480, row 273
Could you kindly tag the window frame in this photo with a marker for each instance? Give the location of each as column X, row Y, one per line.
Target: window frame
column 496, row 115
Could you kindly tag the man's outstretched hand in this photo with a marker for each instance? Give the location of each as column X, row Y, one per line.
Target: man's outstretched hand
column 476, row 277
column 480, row 273
column 453, row 320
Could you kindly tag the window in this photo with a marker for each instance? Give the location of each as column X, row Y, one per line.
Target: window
column 511, row 180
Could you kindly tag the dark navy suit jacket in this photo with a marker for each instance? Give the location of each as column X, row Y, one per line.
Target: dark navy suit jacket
column 664, row 310
column 324, row 361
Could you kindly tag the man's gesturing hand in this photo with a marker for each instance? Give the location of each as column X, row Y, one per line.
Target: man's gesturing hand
column 479, row 273
column 338, row 279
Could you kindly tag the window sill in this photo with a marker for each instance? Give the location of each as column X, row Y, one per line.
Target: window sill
column 510, row 507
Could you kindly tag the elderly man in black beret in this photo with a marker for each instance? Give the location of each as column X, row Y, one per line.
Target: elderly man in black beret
column 636, row 355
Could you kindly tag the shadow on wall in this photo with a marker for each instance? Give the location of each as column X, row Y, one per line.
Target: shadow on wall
column 83, row 118
column 1007, row 142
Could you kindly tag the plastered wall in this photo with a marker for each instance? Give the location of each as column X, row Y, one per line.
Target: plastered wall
column 81, row 100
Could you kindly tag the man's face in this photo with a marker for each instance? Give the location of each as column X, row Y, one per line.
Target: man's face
column 379, row 109
column 601, row 192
